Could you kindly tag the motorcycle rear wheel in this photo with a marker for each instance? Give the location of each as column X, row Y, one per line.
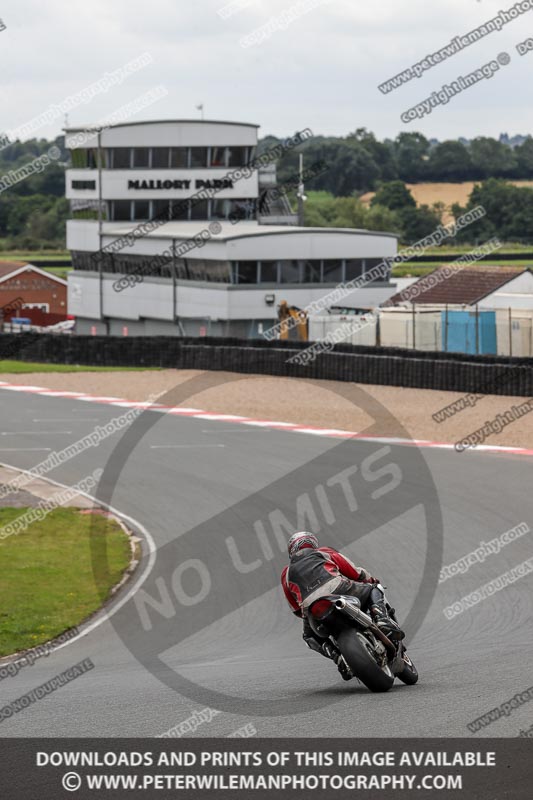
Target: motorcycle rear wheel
column 361, row 662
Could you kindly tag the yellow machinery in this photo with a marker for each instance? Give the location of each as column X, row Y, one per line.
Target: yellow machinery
column 293, row 322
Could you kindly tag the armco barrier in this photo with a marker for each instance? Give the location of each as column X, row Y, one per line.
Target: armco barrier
column 385, row 366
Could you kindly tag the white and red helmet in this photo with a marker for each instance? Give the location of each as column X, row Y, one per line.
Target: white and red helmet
column 301, row 539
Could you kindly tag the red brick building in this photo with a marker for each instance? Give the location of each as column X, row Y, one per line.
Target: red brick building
column 24, row 288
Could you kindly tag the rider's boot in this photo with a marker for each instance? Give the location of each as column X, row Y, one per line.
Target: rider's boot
column 390, row 628
column 330, row 651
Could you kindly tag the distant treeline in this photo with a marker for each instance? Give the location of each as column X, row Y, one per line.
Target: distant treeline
column 33, row 212
column 359, row 162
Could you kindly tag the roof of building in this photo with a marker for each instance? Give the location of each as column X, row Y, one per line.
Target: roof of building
column 226, row 230
column 8, row 269
column 93, row 126
column 456, row 285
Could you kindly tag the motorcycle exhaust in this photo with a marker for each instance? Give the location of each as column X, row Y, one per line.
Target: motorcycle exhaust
column 365, row 621
column 351, row 610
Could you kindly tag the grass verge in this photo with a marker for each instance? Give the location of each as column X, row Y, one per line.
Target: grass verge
column 59, row 272
column 46, row 574
column 34, row 255
column 419, row 268
column 21, row 367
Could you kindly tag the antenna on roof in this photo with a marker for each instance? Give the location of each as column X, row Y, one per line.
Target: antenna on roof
column 300, row 194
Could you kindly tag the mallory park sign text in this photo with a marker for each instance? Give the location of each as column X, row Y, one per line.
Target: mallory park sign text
column 199, row 183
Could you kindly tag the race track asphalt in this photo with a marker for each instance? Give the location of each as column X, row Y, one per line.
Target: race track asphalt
column 209, row 625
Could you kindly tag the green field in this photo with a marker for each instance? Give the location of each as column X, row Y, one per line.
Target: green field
column 61, row 272
column 21, row 367
column 47, row 584
column 510, row 247
column 423, row 267
column 34, row 255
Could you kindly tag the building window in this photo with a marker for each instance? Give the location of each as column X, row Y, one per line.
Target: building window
column 195, row 269
column 245, row 272
column 87, row 209
column 354, row 268
column 84, row 158
column 179, row 209
column 160, row 157
column 237, row 156
column 268, row 272
column 141, row 209
column 218, row 209
column 83, row 261
column 199, row 269
column 289, row 271
column 121, row 210
column 310, row 271
column 141, row 157
column 218, row 157
column 241, row 209
column 120, row 158
column 198, row 156
column 83, row 185
column 198, row 209
column 160, row 209
column 181, row 269
column 370, row 263
column 218, row 271
column 179, row 157
column 332, row 271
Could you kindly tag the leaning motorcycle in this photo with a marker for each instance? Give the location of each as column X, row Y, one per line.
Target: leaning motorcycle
column 373, row 658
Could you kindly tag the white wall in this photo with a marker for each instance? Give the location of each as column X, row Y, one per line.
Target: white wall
column 353, row 329
column 396, row 329
column 82, row 235
column 514, row 335
column 83, row 294
column 518, row 293
column 310, row 243
column 153, row 298
column 250, row 303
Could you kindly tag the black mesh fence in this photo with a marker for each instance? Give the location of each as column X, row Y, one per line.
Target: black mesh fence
column 386, row 366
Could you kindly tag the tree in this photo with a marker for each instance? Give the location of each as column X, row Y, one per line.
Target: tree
column 524, row 159
column 411, row 154
column 450, row 161
column 324, row 210
column 382, row 152
column 394, row 195
column 379, row 218
column 491, row 158
column 417, row 223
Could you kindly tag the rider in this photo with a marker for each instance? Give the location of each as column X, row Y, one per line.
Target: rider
column 315, row 571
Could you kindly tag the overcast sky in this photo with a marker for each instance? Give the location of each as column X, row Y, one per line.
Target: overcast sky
column 321, row 72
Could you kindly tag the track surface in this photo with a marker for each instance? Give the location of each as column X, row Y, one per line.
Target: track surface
column 216, row 479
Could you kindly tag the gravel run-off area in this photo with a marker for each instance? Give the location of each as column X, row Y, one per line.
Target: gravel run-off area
column 331, row 404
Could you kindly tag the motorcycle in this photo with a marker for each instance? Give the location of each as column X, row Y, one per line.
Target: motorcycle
column 372, row 657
